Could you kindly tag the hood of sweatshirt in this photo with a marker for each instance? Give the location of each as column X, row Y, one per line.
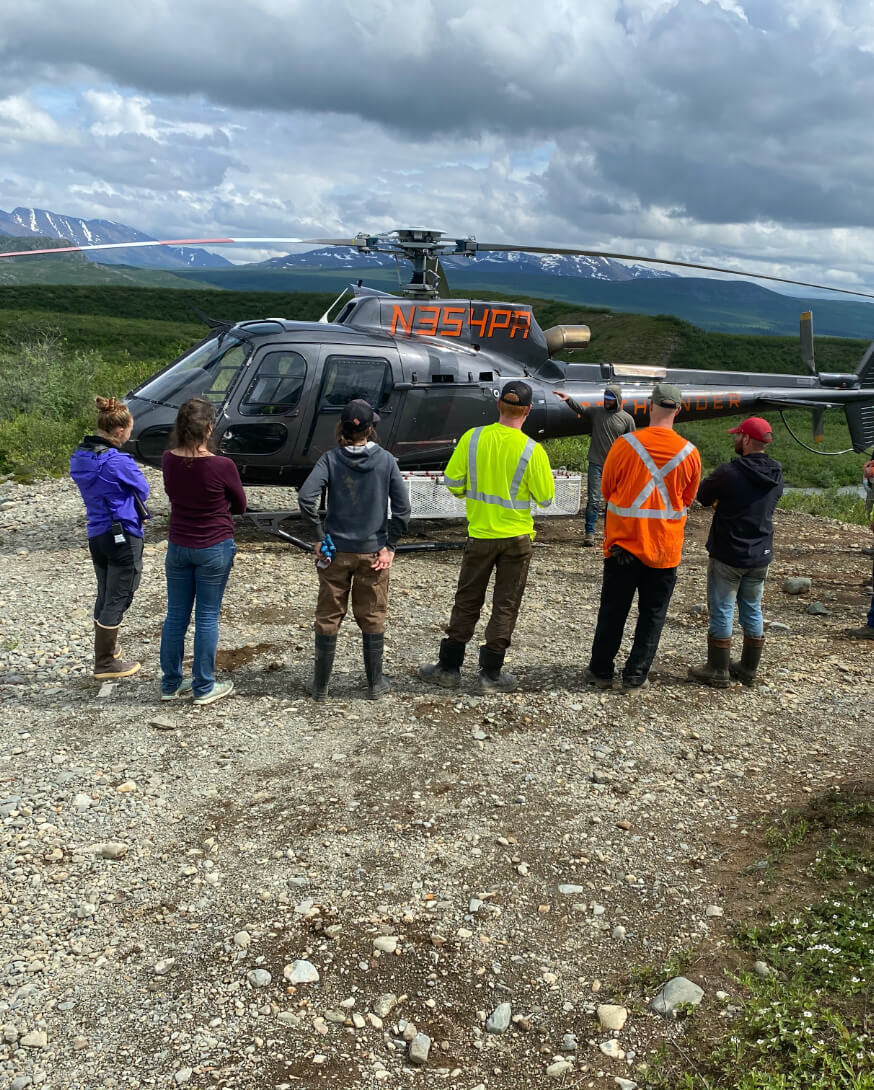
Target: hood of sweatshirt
column 360, row 459
column 760, row 470
column 88, row 459
column 616, row 391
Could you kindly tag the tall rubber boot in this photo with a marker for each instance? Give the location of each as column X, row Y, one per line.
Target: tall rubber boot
column 323, row 664
column 446, row 671
column 107, row 662
column 492, row 678
column 715, row 671
column 751, row 656
column 372, row 644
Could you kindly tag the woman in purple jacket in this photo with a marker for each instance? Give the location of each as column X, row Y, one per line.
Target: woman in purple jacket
column 115, row 491
column 204, row 491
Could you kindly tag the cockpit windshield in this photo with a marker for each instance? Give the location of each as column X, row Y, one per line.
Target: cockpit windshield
column 207, row 371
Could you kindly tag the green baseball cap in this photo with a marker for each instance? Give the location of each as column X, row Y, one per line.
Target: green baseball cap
column 667, row 395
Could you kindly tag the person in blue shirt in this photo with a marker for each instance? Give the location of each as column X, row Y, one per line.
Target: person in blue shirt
column 114, row 491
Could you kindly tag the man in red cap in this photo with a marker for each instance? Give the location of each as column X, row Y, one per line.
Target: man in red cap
column 744, row 493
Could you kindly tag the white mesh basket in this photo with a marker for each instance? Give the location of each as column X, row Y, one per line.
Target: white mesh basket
column 430, row 499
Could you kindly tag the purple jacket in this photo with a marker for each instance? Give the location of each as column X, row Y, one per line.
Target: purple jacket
column 108, row 480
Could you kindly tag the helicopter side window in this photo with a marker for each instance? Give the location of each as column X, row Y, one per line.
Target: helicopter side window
column 276, row 386
column 207, row 371
column 350, row 377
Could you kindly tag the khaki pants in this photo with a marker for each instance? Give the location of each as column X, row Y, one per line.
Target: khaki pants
column 509, row 558
column 351, row 572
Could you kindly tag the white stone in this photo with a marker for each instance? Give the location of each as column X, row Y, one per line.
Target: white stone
column 612, row 1016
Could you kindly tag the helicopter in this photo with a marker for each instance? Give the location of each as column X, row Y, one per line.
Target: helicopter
column 433, row 367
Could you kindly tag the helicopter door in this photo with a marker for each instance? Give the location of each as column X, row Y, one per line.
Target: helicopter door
column 265, row 425
column 358, row 373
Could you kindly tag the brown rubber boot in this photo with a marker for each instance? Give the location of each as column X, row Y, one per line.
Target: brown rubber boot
column 715, row 671
column 106, row 664
column 746, row 669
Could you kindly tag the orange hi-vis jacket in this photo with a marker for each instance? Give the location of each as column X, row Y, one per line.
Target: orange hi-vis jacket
column 650, row 478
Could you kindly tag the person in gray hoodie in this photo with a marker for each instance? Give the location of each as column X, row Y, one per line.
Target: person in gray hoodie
column 361, row 478
column 607, row 422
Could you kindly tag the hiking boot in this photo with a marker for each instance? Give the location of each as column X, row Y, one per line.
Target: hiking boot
column 107, row 662
column 323, row 664
column 446, row 671
column 866, row 632
column 491, row 677
column 219, row 690
column 629, row 685
column 372, row 645
column 599, row 682
column 715, row 671
column 184, row 689
column 588, row 541
column 746, row 669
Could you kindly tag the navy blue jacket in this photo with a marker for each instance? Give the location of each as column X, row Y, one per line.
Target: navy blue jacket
column 745, row 491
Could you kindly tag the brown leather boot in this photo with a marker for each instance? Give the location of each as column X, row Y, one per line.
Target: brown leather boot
column 106, row 664
column 746, row 669
column 715, row 671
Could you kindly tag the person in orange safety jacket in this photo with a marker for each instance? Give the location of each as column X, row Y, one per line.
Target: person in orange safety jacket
column 650, row 478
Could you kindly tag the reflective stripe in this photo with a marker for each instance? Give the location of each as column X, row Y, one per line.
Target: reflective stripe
column 513, row 503
column 499, row 501
column 451, row 482
column 516, row 483
column 655, row 483
column 471, row 460
column 649, row 513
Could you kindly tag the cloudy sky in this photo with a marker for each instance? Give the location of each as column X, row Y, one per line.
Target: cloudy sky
column 735, row 132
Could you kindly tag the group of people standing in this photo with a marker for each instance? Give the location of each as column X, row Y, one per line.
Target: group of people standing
column 648, row 479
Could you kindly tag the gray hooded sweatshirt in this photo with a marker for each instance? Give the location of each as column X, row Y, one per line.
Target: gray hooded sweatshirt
column 360, row 482
column 606, row 424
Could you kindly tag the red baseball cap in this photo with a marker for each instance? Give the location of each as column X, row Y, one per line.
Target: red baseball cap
column 755, row 427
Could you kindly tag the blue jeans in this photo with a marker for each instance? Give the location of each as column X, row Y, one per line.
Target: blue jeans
column 727, row 585
column 593, row 496
column 195, row 577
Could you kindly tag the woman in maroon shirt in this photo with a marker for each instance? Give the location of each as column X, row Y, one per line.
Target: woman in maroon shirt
column 204, row 491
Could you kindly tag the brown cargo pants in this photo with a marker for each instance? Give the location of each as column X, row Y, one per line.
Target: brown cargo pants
column 351, row 572
column 509, row 558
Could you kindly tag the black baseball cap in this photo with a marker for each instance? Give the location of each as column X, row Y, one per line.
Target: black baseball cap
column 516, row 393
column 358, row 415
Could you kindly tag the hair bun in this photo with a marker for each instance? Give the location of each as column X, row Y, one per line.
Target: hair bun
column 108, row 404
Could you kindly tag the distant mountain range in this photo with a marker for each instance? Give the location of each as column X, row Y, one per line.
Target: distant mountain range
column 25, row 222
column 728, row 306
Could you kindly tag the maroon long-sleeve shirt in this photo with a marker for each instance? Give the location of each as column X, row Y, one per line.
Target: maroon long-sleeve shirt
column 203, row 493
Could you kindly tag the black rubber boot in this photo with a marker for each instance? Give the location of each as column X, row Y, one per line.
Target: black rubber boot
column 446, row 671
column 492, row 678
column 715, row 671
column 108, row 662
column 751, row 656
column 323, row 664
column 372, row 644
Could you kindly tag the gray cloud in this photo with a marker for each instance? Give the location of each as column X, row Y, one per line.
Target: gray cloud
column 731, row 127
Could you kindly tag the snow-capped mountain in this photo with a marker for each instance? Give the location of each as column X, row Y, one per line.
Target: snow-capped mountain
column 588, row 268
column 38, row 221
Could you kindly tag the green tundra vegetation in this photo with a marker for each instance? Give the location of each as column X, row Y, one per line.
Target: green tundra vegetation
column 62, row 344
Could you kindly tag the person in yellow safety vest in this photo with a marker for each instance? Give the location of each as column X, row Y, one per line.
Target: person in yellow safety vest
column 499, row 471
column 650, row 478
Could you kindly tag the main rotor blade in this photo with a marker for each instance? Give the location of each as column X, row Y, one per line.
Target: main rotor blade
column 154, row 242
column 573, row 251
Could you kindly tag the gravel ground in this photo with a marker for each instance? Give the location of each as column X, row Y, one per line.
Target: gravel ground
column 431, row 889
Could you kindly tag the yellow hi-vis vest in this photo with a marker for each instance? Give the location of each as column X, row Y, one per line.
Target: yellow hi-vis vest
column 499, row 471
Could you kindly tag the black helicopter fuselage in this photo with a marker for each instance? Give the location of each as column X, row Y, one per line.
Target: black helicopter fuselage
column 432, row 368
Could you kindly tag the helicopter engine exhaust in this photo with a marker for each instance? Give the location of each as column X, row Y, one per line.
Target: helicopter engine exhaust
column 565, row 338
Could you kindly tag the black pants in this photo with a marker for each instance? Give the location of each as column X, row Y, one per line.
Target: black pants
column 654, row 587
column 118, row 569
column 509, row 558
